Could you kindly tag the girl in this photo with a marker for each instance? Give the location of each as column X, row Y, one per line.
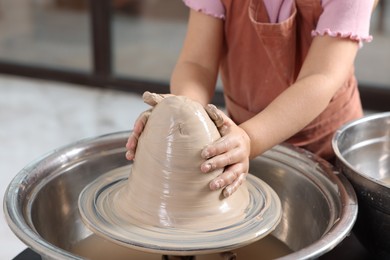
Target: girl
column 287, row 72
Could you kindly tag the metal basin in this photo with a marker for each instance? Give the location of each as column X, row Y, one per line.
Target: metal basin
column 319, row 206
column 362, row 148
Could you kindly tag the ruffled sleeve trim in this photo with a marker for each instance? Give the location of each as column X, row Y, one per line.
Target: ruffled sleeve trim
column 349, row 35
column 216, row 10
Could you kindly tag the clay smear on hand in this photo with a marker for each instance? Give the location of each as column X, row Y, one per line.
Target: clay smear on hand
column 166, row 187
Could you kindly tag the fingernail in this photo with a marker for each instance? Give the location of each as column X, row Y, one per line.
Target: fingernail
column 223, row 129
column 227, row 192
column 129, row 155
column 216, row 184
column 205, row 154
column 206, row 167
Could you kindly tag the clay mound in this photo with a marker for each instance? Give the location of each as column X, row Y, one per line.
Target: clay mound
column 166, row 187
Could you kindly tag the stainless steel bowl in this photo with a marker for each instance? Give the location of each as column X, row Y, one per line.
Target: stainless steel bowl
column 319, row 205
column 362, row 148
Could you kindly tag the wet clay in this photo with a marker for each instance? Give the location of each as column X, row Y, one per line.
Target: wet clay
column 162, row 202
column 166, row 187
column 98, row 204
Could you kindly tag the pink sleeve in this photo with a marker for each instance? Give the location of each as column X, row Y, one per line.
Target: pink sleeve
column 210, row 7
column 346, row 18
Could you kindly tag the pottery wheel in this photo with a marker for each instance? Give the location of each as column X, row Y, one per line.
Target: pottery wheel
column 162, row 203
column 98, row 211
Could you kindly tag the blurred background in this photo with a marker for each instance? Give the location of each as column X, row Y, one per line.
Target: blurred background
column 132, row 45
column 72, row 69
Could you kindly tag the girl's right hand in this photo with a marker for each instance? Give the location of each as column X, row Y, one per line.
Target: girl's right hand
column 151, row 99
column 132, row 141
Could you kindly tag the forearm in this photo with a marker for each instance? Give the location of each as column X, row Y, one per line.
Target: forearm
column 196, row 71
column 192, row 80
column 326, row 68
column 288, row 113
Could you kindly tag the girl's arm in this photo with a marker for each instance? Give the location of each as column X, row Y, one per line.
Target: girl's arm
column 196, row 70
column 324, row 71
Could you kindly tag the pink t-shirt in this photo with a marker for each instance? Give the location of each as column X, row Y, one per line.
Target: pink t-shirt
column 340, row 18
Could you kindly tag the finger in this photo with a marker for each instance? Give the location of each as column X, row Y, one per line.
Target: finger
column 153, row 99
column 227, row 121
column 228, row 177
column 220, row 146
column 139, row 126
column 230, row 189
column 132, row 141
column 141, row 121
column 130, row 155
column 222, row 160
column 221, row 120
column 215, row 115
column 131, row 146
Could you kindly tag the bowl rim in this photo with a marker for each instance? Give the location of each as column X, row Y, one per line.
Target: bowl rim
column 343, row 129
column 342, row 227
column 27, row 234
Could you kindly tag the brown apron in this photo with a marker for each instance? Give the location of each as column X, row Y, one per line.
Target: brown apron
column 264, row 59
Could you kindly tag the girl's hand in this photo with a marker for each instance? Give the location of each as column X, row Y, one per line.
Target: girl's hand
column 231, row 152
column 151, row 99
column 132, row 141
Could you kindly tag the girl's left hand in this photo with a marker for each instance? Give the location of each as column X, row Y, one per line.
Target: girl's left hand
column 231, row 152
